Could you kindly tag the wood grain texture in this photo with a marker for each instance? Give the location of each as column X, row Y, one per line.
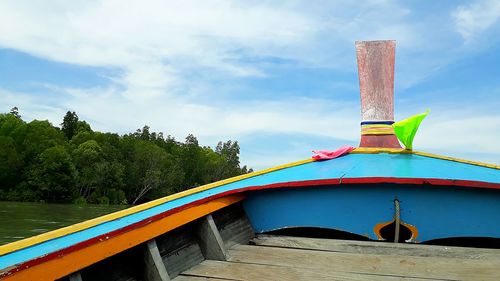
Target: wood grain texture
column 382, row 265
column 233, row 225
column 210, row 240
column 154, row 267
column 376, row 85
column 294, row 258
column 376, row 79
column 199, row 278
column 179, row 249
column 264, row 271
column 378, row 248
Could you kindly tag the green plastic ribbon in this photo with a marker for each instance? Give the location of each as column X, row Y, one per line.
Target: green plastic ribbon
column 406, row 129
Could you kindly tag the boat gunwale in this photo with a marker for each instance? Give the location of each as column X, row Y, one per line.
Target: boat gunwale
column 31, row 241
column 296, row 184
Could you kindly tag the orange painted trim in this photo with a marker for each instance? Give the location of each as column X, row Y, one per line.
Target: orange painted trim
column 67, row 263
column 379, row 226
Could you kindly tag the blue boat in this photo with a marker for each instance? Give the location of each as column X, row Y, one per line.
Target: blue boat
column 378, row 192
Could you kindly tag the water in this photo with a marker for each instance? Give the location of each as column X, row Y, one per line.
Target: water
column 19, row 220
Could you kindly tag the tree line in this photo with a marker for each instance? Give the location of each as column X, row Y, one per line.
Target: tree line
column 74, row 164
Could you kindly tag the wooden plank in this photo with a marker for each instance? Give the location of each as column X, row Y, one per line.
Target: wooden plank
column 251, row 271
column 75, row 277
column 199, row 278
column 186, row 258
column 415, row 267
column 154, row 268
column 179, row 249
column 233, row 225
column 376, row 79
column 380, row 248
column 211, row 242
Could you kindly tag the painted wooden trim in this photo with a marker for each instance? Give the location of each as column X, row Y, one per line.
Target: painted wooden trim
column 211, row 243
column 61, row 263
column 155, row 268
column 374, row 150
column 14, row 246
column 482, row 164
column 176, row 217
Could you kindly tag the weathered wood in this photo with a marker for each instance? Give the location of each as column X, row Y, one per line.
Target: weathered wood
column 179, row 249
column 199, row 278
column 211, row 243
column 154, row 267
column 376, row 85
column 379, row 248
column 233, row 225
column 252, row 271
column 404, row 266
column 376, row 79
column 75, row 277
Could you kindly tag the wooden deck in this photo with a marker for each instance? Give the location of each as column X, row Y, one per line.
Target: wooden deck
column 293, row 258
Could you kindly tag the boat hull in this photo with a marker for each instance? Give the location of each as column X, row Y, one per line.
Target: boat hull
column 435, row 212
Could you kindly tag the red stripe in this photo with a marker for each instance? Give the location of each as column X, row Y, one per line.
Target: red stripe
column 337, row 181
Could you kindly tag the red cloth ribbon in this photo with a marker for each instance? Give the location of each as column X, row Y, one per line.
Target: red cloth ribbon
column 328, row 154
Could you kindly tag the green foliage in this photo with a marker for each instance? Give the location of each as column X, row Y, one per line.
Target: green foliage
column 69, row 126
column 52, row 176
column 40, row 162
column 15, row 112
column 10, row 162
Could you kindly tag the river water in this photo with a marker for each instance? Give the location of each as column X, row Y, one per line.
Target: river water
column 20, row 220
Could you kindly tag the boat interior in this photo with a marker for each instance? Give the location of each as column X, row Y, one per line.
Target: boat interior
column 223, row 246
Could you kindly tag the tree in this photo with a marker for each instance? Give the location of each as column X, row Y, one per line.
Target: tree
column 192, row 161
column 87, row 159
column 10, row 163
column 230, row 153
column 9, row 123
column 33, row 138
column 41, row 162
column 152, row 169
column 51, row 178
column 82, row 126
column 15, row 112
column 69, row 126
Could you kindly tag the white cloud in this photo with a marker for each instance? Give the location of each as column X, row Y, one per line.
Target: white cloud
column 169, row 53
column 476, row 17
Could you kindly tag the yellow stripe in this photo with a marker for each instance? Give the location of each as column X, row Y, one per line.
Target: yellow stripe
column 376, row 126
column 482, row 164
column 73, row 261
column 374, row 150
column 14, row 246
column 369, row 150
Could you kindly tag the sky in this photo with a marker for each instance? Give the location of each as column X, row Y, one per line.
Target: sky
column 280, row 77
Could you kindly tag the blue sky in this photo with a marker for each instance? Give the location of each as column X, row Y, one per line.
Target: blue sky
column 279, row 77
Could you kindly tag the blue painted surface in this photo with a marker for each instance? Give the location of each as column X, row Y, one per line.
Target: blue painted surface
column 350, row 166
column 437, row 212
